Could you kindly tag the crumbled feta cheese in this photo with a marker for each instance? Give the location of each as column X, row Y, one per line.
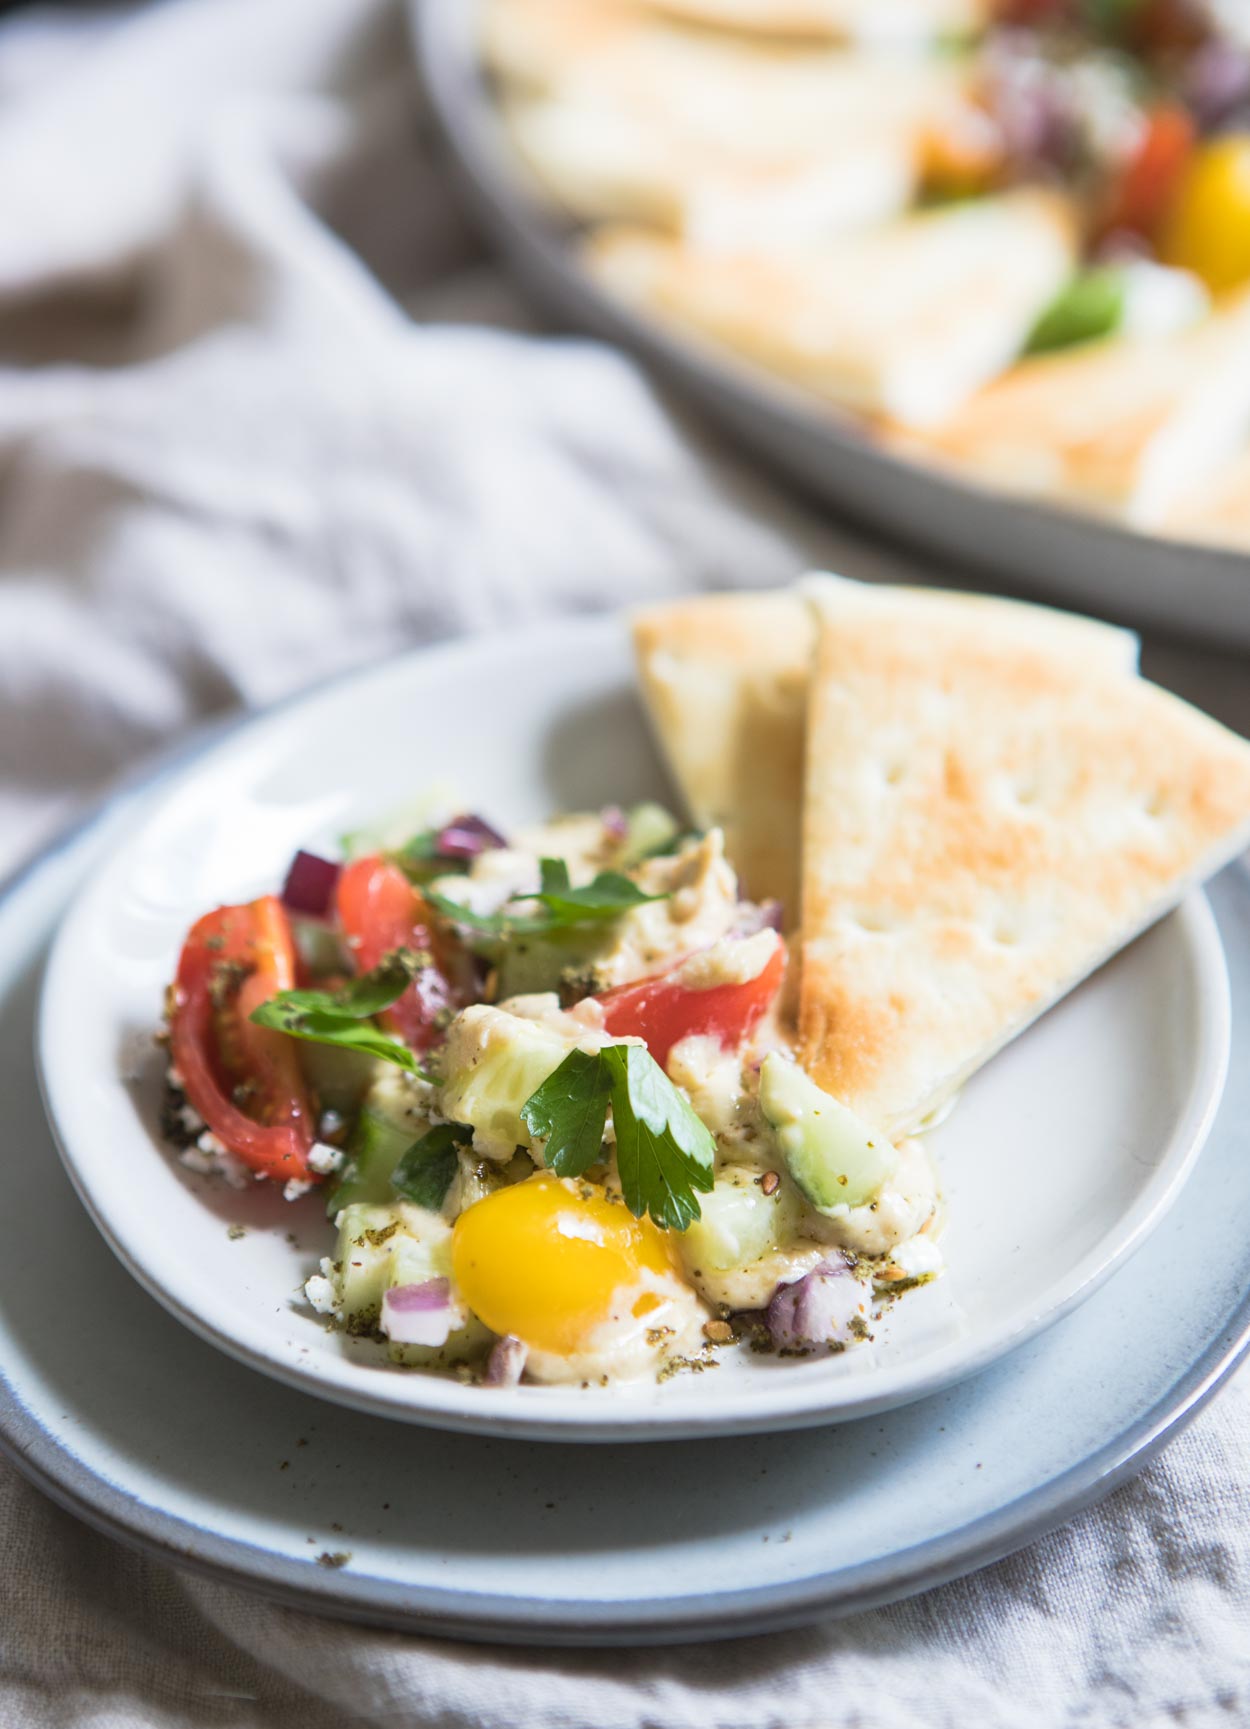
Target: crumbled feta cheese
column 325, row 1158
column 174, row 1075
column 296, row 1187
column 320, row 1293
column 332, row 1123
column 190, row 1119
column 206, row 1163
column 918, row 1257
column 209, row 1143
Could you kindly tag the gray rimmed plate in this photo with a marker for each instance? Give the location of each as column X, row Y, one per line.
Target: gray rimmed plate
column 1075, row 560
column 154, row 1437
column 1064, row 1153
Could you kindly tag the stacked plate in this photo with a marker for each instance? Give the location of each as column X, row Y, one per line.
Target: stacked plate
column 772, row 1493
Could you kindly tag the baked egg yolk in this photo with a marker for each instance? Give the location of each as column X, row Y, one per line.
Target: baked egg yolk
column 550, row 1260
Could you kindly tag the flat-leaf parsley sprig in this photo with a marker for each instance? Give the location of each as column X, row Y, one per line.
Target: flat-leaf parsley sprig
column 664, row 1151
column 345, row 1017
column 561, row 907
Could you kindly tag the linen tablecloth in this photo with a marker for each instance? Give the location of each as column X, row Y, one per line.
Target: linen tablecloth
column 266, row 411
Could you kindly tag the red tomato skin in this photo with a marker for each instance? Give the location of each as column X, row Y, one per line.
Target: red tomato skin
column 217, row 1049
column 661, row 1012
column 1148, row 184
column 380, row 911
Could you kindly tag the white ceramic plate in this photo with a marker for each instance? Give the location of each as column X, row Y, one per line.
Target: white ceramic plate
column 1061, row 1156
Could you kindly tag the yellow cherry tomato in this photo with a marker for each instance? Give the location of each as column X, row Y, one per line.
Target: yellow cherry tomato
column 1208, row 229
column 551, row 1261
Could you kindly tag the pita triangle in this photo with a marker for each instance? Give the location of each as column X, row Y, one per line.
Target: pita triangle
column 906, row 319
column 1126, row 425
column 987, row 819
column 899, row 21
column 725, row 679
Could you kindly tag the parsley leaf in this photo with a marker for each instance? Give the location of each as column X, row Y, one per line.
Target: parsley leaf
column 489, row 924
column 607, row 897
column 421, row 860
column 664, row 1151
column 562, row 908
column 569, row 1111
column 344, row 1017
column 424, row 1173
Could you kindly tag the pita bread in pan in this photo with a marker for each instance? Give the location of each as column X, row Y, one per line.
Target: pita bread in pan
column 988, row 818
column 725, row 680
column 1218, row 510
column 907, row 320
column 624, row 116
column 882, row 20
column 1121, row 425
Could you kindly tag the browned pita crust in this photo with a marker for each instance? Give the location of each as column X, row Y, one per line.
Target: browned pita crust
column 905, row 320
column 725, row 679
column 1218, row 511
column 1115, row 424
column 908, row 19
column 988, row 818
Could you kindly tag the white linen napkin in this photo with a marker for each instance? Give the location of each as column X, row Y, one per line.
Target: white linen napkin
column 231, row 463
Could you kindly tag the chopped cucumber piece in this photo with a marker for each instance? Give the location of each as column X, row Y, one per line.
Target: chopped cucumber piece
column 493, row 1062
column 383, row 1246
column 320, row 947
column 375, row 1148
column 338, row 1078
column 739, row 1223
column 528, row 965
column 651, row 830
column 380, row 1247
column 1089, row 306
column 834, row 1157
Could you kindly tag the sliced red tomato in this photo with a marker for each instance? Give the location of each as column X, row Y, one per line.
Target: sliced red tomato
column 380, row 911
column 662, row 1010
column 1149, row 181
column 244, row 1080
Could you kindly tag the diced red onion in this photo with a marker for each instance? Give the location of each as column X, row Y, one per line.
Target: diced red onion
column 615, row 821
column 418, row 1314
column 1120, row 246
column 1033, row 103
column 1217, row 84
column 310, row 884
column 465, row 837
column 751, row 917
column 505, row 1363
column 818, row 1309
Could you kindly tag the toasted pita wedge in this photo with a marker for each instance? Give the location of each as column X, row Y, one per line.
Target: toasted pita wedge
column 908, row 320
column 1123, row 425
column 725, row 679
column 625, row 116
column 1217, row 512
column 725, row 682
column 539, row 44
column 988, row 818
column 874, row 20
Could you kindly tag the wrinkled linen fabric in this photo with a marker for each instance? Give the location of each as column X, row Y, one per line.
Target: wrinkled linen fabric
column 267, row 412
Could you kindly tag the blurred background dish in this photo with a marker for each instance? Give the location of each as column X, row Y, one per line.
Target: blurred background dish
column 979, row 274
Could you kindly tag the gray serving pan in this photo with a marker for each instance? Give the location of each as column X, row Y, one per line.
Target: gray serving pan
column 1062, row 557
